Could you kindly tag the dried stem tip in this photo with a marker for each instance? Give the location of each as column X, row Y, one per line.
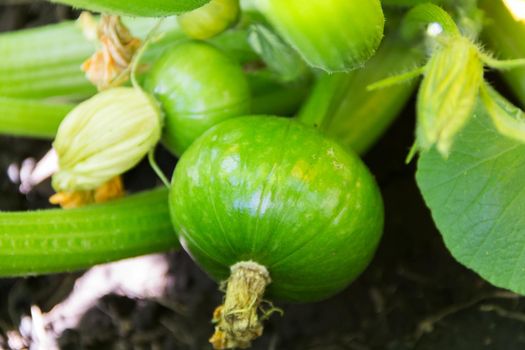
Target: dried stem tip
column 237, row 320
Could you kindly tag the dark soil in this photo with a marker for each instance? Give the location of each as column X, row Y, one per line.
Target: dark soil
column 413, row 296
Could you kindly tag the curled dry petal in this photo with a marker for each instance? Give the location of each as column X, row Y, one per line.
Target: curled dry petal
column 109, row 66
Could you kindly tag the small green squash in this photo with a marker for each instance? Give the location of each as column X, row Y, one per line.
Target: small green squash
column 334, row 35
column 198, row 86
column 275, row 201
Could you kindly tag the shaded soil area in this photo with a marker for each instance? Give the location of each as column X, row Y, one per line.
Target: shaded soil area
column 414, row 295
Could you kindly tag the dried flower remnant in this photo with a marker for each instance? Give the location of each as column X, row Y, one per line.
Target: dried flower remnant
column 113, row 189
column 237, row 321
column 109, row 66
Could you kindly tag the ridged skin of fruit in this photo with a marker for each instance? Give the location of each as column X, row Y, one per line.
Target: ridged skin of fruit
column 279, row 193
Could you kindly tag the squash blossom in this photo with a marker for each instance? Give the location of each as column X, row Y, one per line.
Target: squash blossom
column 210, row 19
column 448, row 93
column 100, row 139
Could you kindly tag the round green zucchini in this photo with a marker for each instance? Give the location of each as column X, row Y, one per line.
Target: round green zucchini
column 198, row 86
column 334, row 35
column 270, row 197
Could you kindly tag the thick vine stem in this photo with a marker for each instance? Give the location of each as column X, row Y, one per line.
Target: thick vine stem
column 341, row 106
column 30, row 117
column 56, row 240
column 238, row 320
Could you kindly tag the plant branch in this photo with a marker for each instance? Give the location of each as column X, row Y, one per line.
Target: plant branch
column 34, row 118
column 59, row 240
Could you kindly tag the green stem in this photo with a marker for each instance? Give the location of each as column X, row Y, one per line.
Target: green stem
column 45, row 62
column 342, row 107
column 397, row 79
column 425, row 14
column 328, row 94
column 41, row 118
column 59, row 240
column 158, row 171
column 33, row 118
column 502, row 64
column 504, row 35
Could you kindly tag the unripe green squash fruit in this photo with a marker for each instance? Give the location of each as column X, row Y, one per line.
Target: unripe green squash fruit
column 272, row 193
column 198, row 86
column 334, row 35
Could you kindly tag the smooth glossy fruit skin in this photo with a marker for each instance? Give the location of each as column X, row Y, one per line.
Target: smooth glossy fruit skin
column 334, row 35
column 279, row 193
column 141, row 8
column 198, row 87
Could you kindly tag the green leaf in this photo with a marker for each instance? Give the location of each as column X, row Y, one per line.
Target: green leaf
column 150, row 8
column 276, row 54
column 477, row 199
